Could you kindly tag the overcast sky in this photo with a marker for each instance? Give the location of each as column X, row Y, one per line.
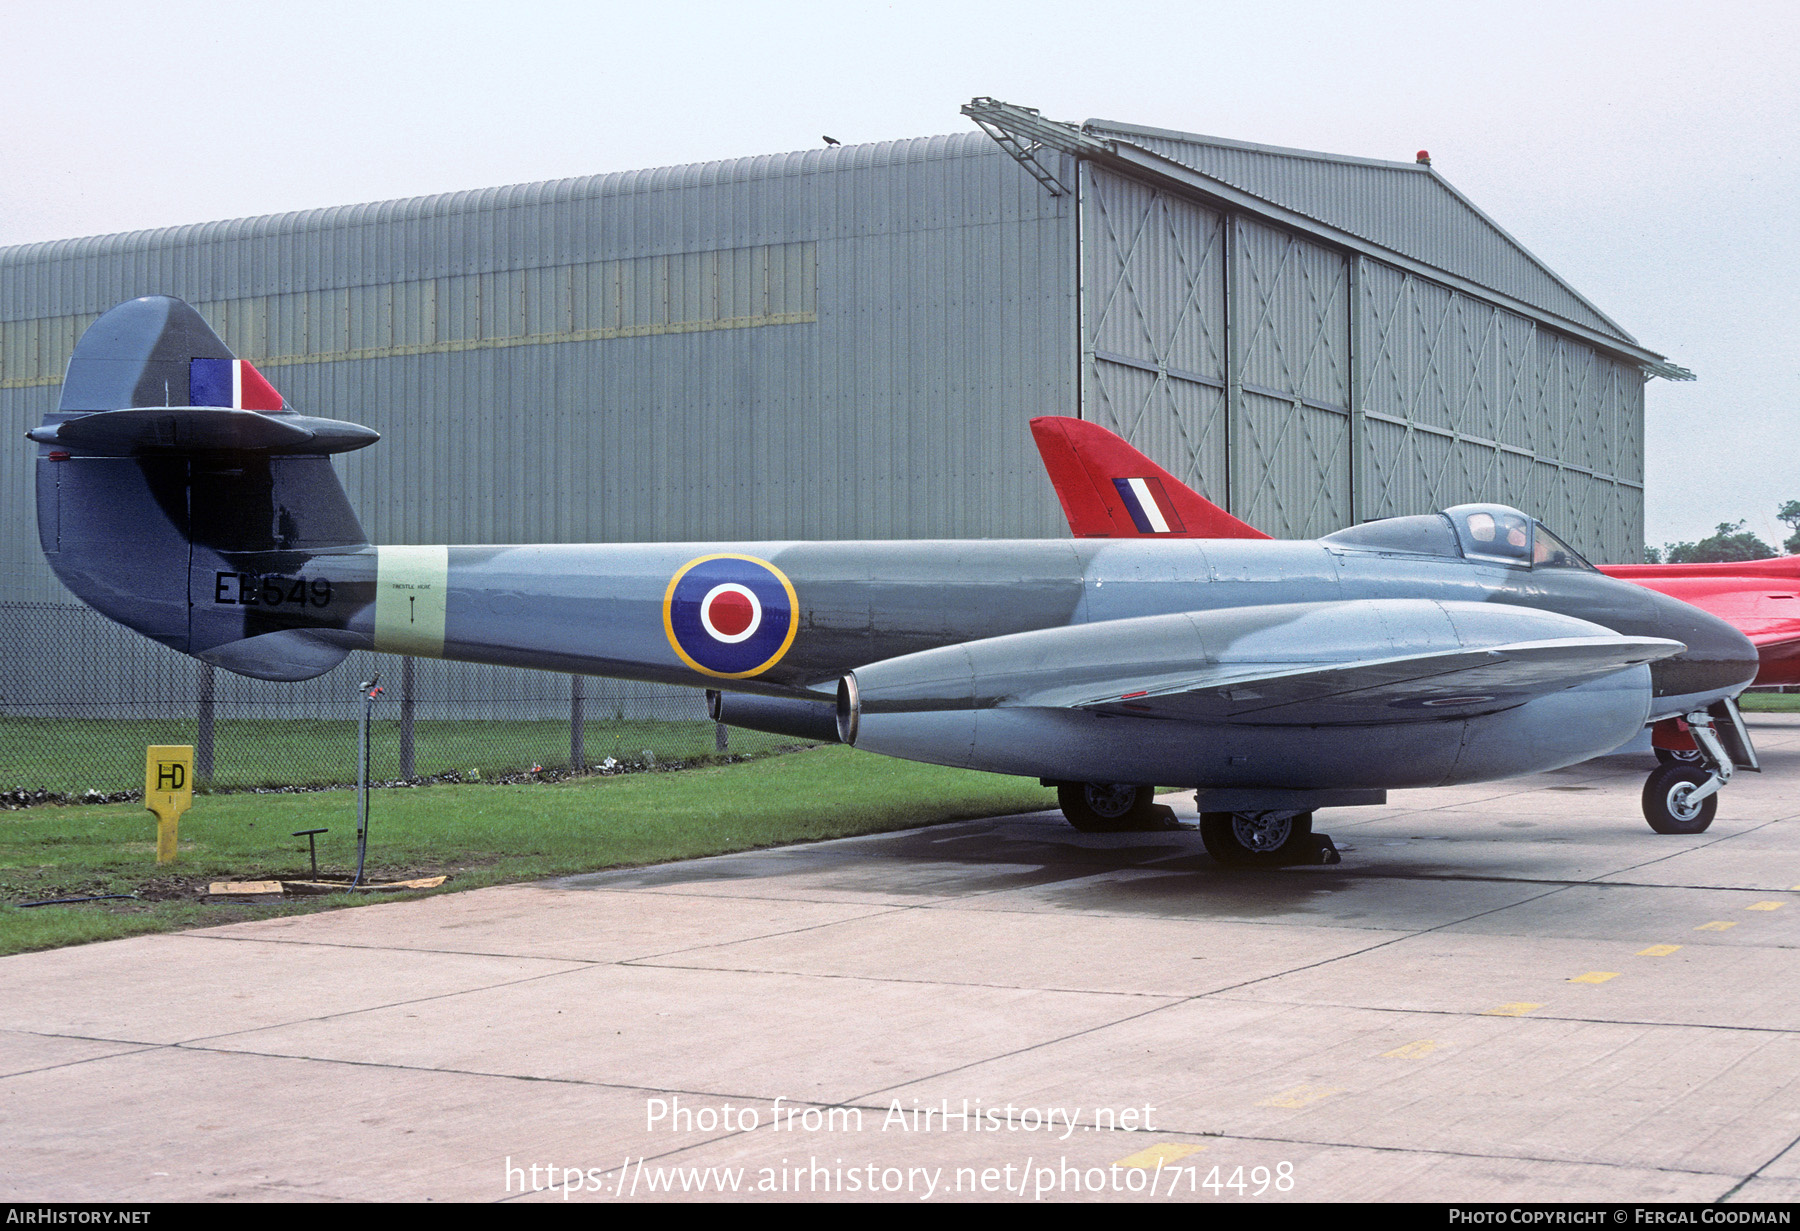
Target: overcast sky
column 1649, row 153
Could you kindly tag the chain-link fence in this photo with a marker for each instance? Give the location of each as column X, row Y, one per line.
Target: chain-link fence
column 81, row 698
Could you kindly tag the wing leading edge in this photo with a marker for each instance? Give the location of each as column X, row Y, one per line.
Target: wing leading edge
column 1444, row 684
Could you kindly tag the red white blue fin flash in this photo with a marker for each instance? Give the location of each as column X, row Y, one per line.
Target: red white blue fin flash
column 231, row 383
column 1149, row 506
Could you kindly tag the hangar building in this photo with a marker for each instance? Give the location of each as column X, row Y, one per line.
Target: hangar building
column 848, row 342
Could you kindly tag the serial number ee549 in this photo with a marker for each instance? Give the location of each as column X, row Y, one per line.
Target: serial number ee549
column 270, row 590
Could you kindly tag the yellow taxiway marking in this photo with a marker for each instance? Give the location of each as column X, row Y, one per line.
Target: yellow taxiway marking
column 1518, row 1008
column 1764, row 906
column 1658, row 951
column 1717, row 925
column 1300, row 1096
column 1595, row 976
column 1412, row 1051
column 1164, row 1152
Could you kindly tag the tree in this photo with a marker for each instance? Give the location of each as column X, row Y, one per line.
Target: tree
column 1790, row 513
column 1732, row 542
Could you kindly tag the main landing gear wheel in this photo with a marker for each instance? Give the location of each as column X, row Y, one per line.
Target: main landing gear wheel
column 1666, row 803
column 1256, row 839
column 1107, row 807
column 1680, row 756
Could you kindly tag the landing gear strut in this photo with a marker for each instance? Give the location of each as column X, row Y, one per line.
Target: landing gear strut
column 1681, row 796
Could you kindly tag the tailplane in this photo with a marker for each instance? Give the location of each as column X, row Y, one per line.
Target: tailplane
column 1110, row 490
column 179, row 495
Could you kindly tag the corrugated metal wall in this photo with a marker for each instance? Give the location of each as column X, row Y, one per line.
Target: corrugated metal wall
column 1153, row 325
column 1307, row 389
column 1292, row 381
column 1467, row 401
column 842, row 343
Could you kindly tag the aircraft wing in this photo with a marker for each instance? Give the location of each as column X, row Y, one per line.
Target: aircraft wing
column 1778, row 651
column 1445, row 684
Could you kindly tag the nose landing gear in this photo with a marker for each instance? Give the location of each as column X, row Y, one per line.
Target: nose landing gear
column 1681, row 796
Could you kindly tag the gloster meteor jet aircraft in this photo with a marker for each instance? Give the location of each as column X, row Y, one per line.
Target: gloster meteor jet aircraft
column 178, row 495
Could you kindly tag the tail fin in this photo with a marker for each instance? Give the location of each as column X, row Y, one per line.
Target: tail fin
column 176, row 489
column 1110, row 490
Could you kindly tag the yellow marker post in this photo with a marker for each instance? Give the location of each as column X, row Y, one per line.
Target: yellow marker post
column 168, row 791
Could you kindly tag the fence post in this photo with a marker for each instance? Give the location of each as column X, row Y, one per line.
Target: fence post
column 721, row 738
column 406, row 717
column 203, row 737
column 577, row 726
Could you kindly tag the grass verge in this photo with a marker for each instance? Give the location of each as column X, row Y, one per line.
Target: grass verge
column 1769, row 702
column 75, row 755
column 477, row 834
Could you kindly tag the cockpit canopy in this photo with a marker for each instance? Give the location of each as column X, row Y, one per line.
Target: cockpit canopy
column 1485, row 532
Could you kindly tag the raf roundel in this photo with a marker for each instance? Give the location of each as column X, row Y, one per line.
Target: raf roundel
column 730, row 616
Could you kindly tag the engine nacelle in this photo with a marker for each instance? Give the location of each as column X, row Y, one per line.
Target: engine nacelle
column 1014, row 704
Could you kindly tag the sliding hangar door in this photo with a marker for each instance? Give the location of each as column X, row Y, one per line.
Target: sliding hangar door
column 1307, row 385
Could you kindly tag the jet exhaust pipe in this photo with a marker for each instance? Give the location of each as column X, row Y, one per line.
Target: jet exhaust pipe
column 800, row 717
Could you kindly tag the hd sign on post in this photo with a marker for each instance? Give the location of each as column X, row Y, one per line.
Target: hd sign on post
column 168, row 791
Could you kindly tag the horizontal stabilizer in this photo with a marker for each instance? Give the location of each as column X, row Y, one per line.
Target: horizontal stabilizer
column 197, row 429
column 1445, row 684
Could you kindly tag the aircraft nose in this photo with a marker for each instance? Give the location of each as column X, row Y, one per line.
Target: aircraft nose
column 1719, row 659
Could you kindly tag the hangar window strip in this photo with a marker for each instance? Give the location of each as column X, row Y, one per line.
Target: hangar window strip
column 685, row 292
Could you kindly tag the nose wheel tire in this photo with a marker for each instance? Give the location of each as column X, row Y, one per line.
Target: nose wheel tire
column 1255, row 839
column 1680, row 756
column 1107, row 807
column 1666, row 800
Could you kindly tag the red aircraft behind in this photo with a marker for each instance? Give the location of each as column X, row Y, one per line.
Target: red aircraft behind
column 1110, row 490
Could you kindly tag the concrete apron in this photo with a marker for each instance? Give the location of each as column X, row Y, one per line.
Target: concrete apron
column 1513, row 991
